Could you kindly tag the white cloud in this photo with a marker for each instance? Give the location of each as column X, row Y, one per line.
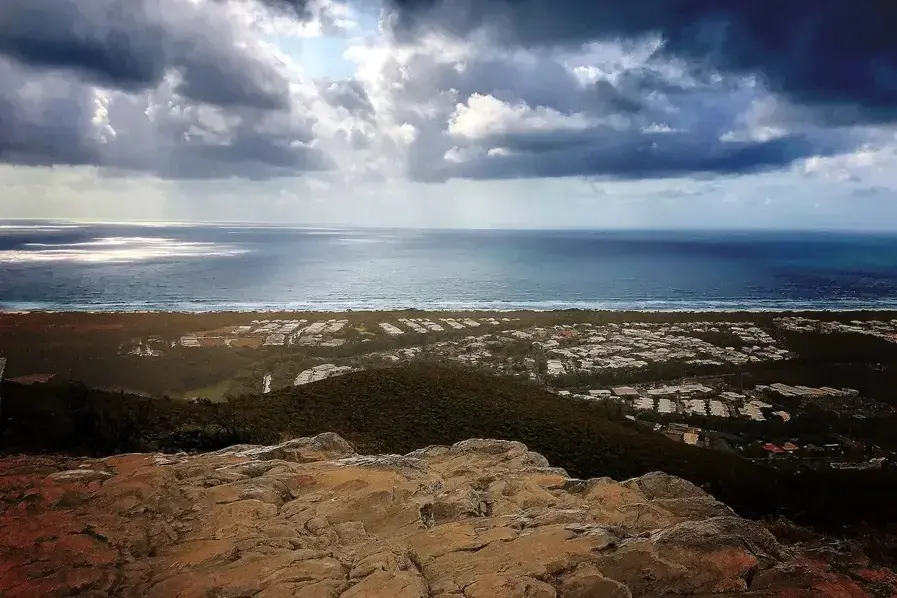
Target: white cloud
column 755, row 134
column 869, row 164
column 459, row 155
column 499, row 152
column 659, row 128
column 485, row 116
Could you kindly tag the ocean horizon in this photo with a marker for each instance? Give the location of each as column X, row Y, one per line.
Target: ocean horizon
column 182, row 267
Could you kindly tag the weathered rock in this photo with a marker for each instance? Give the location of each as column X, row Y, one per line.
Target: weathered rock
column 397, row 462
column 658, row 484
column 301, row 450
column 507, row 450
column 504, row 586
column 587, row 582
column 696, row 508
column 310, row 518
column 400, row 584
column 83, row 476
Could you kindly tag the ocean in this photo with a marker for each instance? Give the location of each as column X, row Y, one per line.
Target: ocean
column 55, row 266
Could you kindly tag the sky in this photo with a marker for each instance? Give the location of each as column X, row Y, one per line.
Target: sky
column 452, row 113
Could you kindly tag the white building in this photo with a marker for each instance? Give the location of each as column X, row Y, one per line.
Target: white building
column 695, row 406
column 189, row 340
column 556, row 367
column 644, row 403
column 391, row 329
column 752, row 410
column 718, row 409
column 274, row 340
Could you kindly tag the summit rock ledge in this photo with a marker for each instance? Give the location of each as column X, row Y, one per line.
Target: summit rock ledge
column 310, row 518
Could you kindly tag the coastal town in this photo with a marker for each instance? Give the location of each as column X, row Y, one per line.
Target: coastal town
column 682, row 379
column 882, row 329
column 552, row 354
column 326, row 333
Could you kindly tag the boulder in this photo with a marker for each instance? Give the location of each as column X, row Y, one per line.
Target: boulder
column 323, row 447
column 658, row 484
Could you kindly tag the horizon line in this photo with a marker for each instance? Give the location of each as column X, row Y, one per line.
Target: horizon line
column 325, row 226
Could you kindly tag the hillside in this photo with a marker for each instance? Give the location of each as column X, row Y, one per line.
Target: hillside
column 311, row 518
column 398, row 410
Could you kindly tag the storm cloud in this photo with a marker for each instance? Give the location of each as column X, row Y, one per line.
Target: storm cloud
column 172, row 88
column 607, row 110
column 486, row 89
column 838, row 55
column 133, row 46
column 595, row 153
column 51, row 118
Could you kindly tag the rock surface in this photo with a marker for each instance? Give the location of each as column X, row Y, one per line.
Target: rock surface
column 310, row 518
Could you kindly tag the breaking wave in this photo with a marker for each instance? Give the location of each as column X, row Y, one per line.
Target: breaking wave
column 181, row 306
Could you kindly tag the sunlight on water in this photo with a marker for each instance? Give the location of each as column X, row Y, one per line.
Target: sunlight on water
column 116, row 250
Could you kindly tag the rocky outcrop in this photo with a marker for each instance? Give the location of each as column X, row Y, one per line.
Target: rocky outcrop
column 310, row 518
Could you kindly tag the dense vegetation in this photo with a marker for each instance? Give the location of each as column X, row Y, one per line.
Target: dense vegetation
column 398, row 410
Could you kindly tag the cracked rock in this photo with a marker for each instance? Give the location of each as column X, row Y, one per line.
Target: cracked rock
column 309, row 518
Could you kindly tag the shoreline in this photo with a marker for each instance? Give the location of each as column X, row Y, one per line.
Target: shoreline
column 646, row 306
column 685, row 311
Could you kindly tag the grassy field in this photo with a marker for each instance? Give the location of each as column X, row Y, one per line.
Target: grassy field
column 213, row 392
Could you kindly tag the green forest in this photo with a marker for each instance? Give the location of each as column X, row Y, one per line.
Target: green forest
column 396, row 410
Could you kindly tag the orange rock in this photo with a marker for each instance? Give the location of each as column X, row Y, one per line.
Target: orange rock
column 503, row 586
column 311, row 519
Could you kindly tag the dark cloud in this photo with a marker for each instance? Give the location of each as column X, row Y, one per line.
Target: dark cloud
column 600, row 154
column 300, row 9
column 53, row 126
column 234, row 80
column 130, row 46
column 874, row 191
column 528, row 114
column 254, row 159
column 51, row 119
column 124, row 49
column 37, row 144
column 228, row 113
column 838, row 55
